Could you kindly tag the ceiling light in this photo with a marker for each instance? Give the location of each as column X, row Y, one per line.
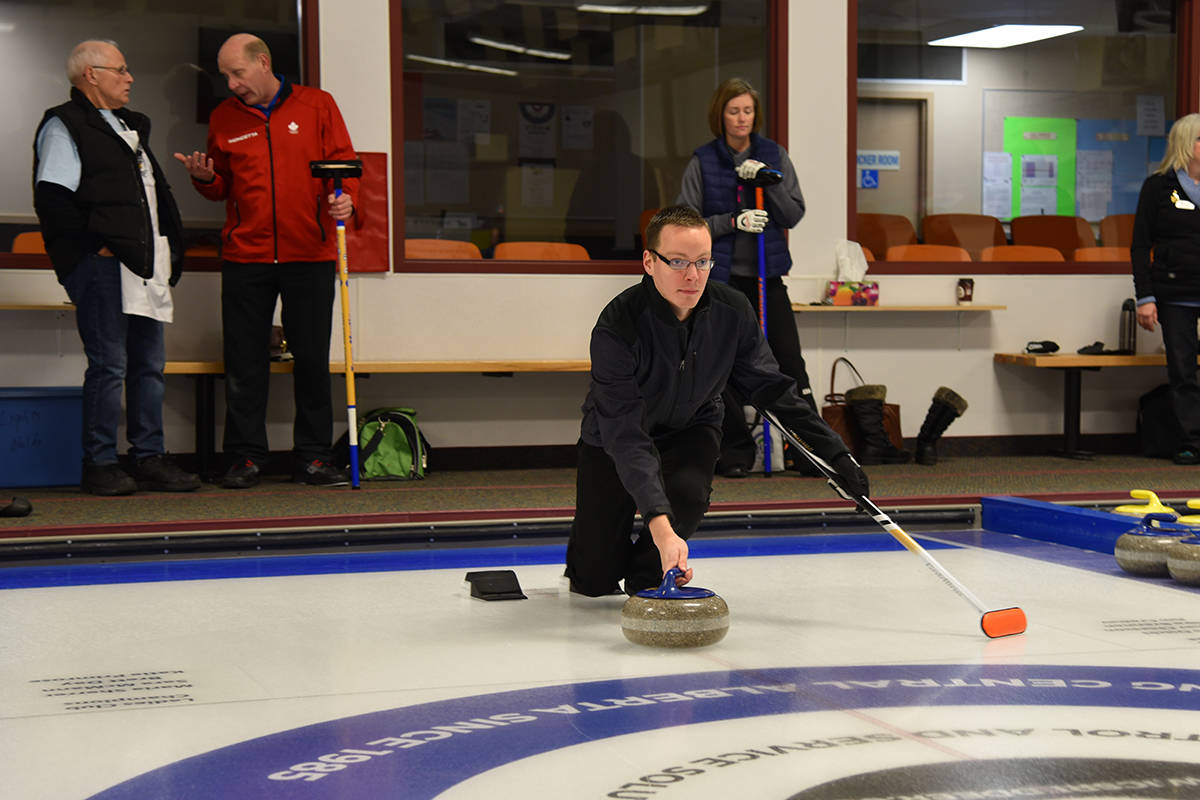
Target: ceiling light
column 1006, row 35
column 663, row 11
column 444, row 62
column 7, row 27
column 557, row 55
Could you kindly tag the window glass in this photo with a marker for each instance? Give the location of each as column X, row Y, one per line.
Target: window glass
column 546, row 121
column 170, row 46
column 1066, row 126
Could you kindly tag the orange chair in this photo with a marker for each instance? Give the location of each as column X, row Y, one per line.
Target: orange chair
column 1101, row 254
column 29, row 242
column 1116, row 230
column 867, row 252
column 540, row 251
column 972, row 232
column 881, row 231
column 440, row 248
column 927, row 252
column 1021, row 252
column 1065, row 234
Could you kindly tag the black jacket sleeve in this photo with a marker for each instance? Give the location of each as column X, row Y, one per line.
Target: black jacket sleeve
column 757, row 377
column 64, row 227
column 621, row 415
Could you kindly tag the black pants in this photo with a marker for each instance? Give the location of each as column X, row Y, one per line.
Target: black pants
column 601, row 550
column 1179, row 339
column 248, row 296
column 737, row 448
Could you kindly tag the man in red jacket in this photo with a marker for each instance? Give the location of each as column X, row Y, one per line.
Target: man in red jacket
column 278, row 242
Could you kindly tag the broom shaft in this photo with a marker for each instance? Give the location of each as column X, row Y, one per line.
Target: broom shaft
column 347, row 345
column 879, row 516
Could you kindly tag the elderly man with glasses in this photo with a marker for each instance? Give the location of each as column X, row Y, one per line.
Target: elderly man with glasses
column 662, row 352
column 113, row 233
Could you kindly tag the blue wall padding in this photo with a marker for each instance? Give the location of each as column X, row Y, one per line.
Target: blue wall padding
column 1076, row 527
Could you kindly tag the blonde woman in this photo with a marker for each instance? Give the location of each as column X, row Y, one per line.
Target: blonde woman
column 1166, row 271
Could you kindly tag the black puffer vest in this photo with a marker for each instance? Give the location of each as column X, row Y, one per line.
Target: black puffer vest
column 111, row 198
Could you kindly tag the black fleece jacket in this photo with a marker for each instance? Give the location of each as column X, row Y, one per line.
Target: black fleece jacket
column 653, row 376
column 1165, row 224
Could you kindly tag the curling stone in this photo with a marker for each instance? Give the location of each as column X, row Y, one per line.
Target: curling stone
column 1143, row 550
column 1153, row 505
column 1191, row 519
column 675, row 616
column 1183, row 561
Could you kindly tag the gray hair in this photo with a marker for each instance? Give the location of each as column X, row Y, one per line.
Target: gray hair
column 87, row 53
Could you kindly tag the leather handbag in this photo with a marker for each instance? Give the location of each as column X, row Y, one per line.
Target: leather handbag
column 837, row 414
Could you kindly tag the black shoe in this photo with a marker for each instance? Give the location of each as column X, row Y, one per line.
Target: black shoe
column 736, row 471
column 321, row 473
column 1187, row 456
column 107, row 480
column 244, row 474
column 19, row 507
column 160, row 474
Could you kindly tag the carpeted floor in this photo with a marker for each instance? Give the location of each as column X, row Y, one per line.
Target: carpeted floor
column 550, row 493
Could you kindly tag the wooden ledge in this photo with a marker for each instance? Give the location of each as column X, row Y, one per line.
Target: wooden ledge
column 1075, row 360
column 414, row 367
column 972, row 307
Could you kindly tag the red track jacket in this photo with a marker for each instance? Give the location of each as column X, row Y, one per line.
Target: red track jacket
column 274, row 209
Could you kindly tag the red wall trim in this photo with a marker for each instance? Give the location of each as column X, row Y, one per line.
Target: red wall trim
column 310, row 42
column 777, row 70
column 1187, row 51
column 851, row 118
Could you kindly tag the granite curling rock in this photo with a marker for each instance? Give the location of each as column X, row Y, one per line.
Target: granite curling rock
column 675, row 616
column 1183, row 561
column 1143, row 550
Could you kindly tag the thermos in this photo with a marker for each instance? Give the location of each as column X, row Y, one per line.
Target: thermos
column 1128, row 332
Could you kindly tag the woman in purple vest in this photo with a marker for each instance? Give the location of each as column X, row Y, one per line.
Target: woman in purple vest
column 720, row 183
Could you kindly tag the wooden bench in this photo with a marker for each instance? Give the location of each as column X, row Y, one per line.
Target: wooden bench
column 1073, row 366
column 207, row 372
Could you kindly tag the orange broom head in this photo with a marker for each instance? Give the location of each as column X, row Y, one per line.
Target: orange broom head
column 1003, row 622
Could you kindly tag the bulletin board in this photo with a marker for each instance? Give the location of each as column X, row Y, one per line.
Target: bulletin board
column 1110, row 168
column 1043, row 164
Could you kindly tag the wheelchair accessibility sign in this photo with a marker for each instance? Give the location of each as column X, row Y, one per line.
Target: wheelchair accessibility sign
column 868, row 179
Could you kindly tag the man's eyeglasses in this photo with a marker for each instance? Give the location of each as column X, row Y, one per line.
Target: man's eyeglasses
column 121, row 70
column 680, row 264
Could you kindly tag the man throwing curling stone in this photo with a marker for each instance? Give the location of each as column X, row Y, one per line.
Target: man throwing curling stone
column 662, row 352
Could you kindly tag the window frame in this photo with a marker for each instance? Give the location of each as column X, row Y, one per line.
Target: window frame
column 775, row 97
column 1187, row 101
column 310, row 74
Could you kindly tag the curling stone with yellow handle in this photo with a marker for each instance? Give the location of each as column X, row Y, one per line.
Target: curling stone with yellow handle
column 1191, row 519
column 1143, row 550
column 1153, row 505
column 1183, row 561
column 675, row 616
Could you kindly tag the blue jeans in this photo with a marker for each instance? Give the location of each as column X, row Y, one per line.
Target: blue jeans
column 123, row 352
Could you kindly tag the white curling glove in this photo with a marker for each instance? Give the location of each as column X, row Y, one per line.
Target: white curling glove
column 752, row 220
column 748, row 169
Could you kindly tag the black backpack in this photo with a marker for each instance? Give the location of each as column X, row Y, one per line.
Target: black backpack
column 1159, row 433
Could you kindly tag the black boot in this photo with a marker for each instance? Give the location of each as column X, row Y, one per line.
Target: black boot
column 866, row 407
column 947, row 406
